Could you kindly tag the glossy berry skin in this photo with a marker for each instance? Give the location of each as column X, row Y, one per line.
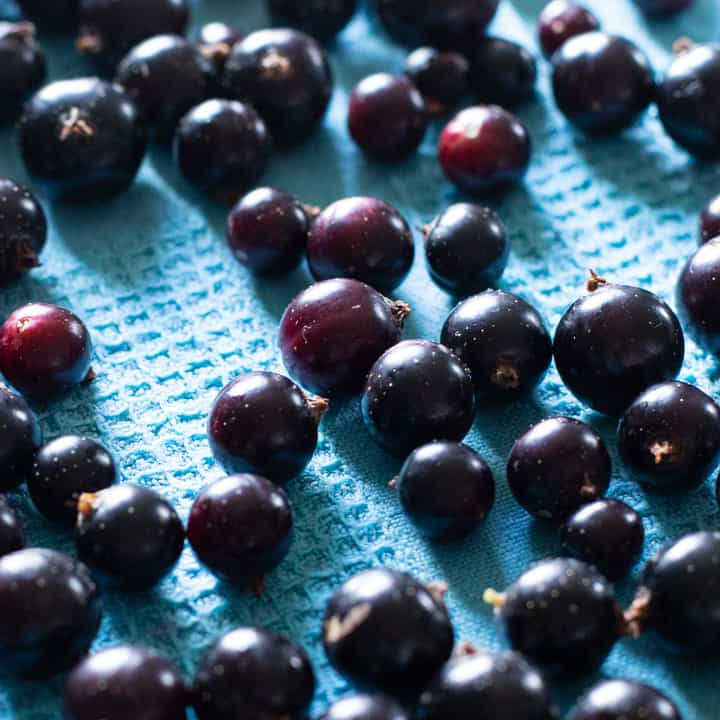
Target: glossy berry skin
column 503, row 340
column 165, row 76
column 466, row 248
column 82, row 139
column 562, row 615
column 20, row 439
column 365, row 707
column 129, row 534
column 698, row 295
column 440, row 76
column 45, row 351
column 496, row 685
column 125, row 682
column 710, row 220
column 286, row 76
column 502, row 73
column 607, row 534
column 215, row 40
column 387, row 118
column 23, row 230
column 384, row 630
column 417, row 392
column 333, row 332
column 64, row 469
column 323, row 19
column 12, row 535
column 51, row 612
column 484, row 149
column 222, row 147
column 663, row 8
column 669, row 437
column 253, row 673
column 602, row 83
column 240, row 527
column 446, row 489
column 362, row 238
column 560, row 20
column 624, row 700
column 22, row 67
column 614, row 343
column 51, row 16
column 558, row 465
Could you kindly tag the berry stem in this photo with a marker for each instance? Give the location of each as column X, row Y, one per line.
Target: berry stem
column 635, row 617
column 400, row 311
column 494, row 598
column 595, row 281
column 318, row 406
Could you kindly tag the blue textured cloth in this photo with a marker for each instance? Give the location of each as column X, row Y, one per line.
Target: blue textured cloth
column 174, row 318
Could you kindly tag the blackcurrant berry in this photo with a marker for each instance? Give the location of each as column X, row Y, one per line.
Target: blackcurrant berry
column 129, row 534
column 22, row 67
column 384, row 630
column 51, row 611
column 560, row 20
column 215, row 41
column 20, row 438
column 387, row 117
column 485, row 149
column 333, row 332
column 285, row 74
column 699, row 293
column 558, row 465
column 602, row 83
column 222, row 147
column 53, row 16
column 45, row 350
column 12, row 535
column 417, row 392
column 614, row 343
column 82, row 139
column 125, row 682
column 503, row 340
column 253, row 673
column 669, row 437
column 446, row 489
column 365, row 707
column 63, row 470
column 467, row 249
column 607, row 534
column 624, row 700
column 362, row 238
column 440, row 76
column 663, row 8
column 710, row 220
column 23, row 230
column 562, row 615
column 241, row 527
column 322, row 19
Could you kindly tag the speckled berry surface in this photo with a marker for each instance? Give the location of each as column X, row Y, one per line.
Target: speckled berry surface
column 174, row 318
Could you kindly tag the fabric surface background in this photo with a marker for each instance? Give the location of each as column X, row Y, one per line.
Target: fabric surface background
column 174, row 318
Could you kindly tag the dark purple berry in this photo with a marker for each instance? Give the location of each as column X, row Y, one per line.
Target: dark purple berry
column 333, row 332
column 417, row 392
column 502, row 73
column 607, row 534
column 285, row 74
column 322, row 19
column 710, row 220
column 23, row 230
column 562, row 615
column 362, row 238
column 614, row 343
column 467, row 249
column 82, row 139
column 386, row 631
column 699, row 294
column 366, row 707
column 602, row 83
column 125, row 682
column 446, row 489
column 165, row 76
column 129, row 534
column 12, row 535
column 54, row 16
column 440, row 76
column 222, row 147
column 499, row 685
column 558, row 465
column 241, row 527
column 50, row 612
column 484, row 149
column 387, row 117
column 503, row 340
column 560, row 20
column 253, row 673
column 45, row 351
column 669, row 437
column 63, row 470
column 624, row 700
column 20, row 438
column 663, row 8
column 215, row 41
column 22, row 67
column 687, row 99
